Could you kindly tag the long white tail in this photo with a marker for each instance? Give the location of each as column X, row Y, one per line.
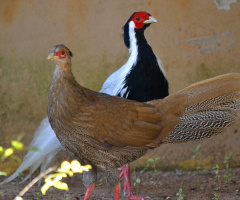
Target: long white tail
column 48, row 145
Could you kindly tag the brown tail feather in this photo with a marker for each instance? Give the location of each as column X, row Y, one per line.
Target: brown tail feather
column 200, row 110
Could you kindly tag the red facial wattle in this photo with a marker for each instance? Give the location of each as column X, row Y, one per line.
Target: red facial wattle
column 139, row 19
column 61, row 54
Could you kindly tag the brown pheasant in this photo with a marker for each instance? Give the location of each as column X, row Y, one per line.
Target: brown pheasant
column 108, row 132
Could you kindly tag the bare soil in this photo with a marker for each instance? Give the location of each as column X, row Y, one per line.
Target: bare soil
column 155, row 185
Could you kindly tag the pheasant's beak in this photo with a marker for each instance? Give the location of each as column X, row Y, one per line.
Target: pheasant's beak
column 150, row 20
column 52, row 56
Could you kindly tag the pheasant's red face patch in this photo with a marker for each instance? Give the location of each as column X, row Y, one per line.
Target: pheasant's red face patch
column 139, row 19
column 61, row 54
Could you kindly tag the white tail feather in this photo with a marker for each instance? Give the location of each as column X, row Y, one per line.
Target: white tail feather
column 48, row 145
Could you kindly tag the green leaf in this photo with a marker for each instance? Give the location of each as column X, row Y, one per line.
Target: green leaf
column 150, row 160
column 3, row 174
column 1, row 149
column 198, row 146
column 39, row 194
column 17, row 145
column 230, row 155
column 8, row 152
column 231, row 175
column 20, row 174
column 180, row 190
column 20, row 136
column 33, row 149
column 156, row 159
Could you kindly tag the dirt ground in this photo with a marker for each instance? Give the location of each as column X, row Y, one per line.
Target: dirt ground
column 159, row 185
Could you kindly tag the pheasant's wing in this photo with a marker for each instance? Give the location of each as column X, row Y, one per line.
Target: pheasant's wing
column 116, row 121
column 210, row 107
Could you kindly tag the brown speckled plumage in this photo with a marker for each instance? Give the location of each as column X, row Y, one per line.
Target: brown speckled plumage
column 108, row 132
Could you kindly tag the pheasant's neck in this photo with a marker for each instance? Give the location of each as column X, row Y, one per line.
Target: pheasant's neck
column 63, row 80
column 61, row 98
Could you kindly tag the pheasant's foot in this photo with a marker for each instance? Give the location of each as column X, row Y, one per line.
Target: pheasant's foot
column 89, row 191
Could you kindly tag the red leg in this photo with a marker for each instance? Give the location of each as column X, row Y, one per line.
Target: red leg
column 127, row 180
column 117, row 191
column 126, row 172
column 89, row 191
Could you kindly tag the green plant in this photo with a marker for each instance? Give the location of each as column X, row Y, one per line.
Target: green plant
column 196, row 156
column 229, row 177
column 39, row 195
column 9, row 152
column 196, row 152
column 100, row 181
column 151, row 164
column 216, row 171
column 227, row 161
column 180, row 194
column 20, row 174
column 215, row 197
column 135, row 178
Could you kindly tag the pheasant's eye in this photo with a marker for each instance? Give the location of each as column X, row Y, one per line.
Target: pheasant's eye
column 62, row 53
column 138, row 18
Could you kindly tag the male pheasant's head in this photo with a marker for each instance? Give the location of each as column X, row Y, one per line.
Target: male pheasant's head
column 61, row 55
column 136, row 24
column 142, row 20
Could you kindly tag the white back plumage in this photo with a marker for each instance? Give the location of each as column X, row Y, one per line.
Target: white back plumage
column 48, row 145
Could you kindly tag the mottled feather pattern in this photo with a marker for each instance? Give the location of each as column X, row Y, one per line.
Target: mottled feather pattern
column 211, row 116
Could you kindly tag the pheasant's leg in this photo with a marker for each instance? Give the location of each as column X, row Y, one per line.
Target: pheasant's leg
column 89, row 191
column 126, row 172
column 117, row 191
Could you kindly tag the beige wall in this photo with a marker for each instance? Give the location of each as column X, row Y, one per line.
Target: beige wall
column 194, row 39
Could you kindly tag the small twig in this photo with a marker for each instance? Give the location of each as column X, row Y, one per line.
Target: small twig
column 35, row 180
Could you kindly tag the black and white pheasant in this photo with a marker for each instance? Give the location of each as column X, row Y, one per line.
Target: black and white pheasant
column 142, row 78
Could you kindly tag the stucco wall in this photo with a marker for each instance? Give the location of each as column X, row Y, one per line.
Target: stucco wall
column 195, row 40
